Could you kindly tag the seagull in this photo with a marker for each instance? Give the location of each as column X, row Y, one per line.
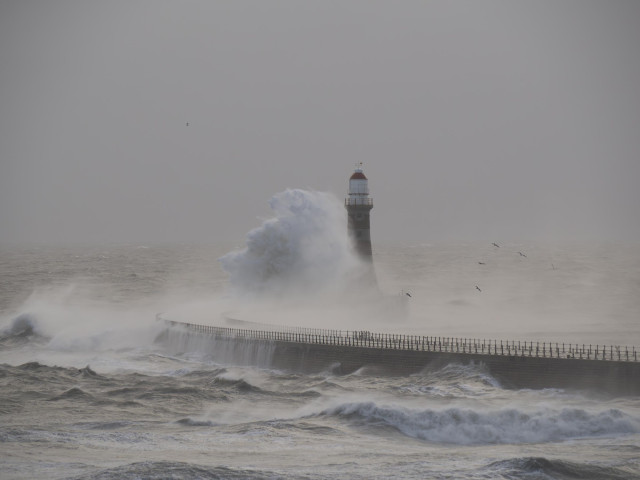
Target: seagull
column 478, row 288
column 522, row 254
column 495, row 244
column 407, row 294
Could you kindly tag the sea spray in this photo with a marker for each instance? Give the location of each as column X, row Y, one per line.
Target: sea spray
column 226, row 351
column 66, row 325
column 303, row 249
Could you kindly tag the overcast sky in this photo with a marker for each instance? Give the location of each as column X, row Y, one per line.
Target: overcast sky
column 497, row 120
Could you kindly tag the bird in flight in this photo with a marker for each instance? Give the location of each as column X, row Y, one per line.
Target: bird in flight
column 478, row 288
column 495, row 245
column 522, row 254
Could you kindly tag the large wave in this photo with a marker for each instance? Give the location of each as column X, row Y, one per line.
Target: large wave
column 23, row 327
column 466, row 426
column 304, row 248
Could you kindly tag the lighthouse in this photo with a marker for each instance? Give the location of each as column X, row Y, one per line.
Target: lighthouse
column 358, row 204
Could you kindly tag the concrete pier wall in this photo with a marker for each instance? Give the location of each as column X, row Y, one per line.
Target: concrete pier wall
column 617, row 377
column 347, row 352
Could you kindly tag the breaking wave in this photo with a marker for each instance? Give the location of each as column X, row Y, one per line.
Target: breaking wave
column 304, row 247
column 469, row 427
column 453, row 379
column 21, row 330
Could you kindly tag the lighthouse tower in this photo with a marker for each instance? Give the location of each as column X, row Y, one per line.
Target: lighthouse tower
column 358, row 204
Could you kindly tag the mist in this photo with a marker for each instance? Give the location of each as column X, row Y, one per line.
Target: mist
column 152, row 124
column 297, row 268
column 163, row 122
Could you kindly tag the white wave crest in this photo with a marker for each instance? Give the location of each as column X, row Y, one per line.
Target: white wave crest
column 511, row 425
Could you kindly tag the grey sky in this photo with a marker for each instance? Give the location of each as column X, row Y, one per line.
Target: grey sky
column 500, row 120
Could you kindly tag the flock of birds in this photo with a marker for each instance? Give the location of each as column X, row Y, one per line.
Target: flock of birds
column 483, row 263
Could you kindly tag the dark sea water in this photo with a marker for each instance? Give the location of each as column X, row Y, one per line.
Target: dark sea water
column 87, row 392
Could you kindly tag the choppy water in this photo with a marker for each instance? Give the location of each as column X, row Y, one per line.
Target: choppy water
column 87, row 393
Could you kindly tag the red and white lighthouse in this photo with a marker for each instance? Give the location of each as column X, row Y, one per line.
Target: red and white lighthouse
column 358, row 204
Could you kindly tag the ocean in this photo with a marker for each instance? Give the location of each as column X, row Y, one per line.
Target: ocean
column 87, row 392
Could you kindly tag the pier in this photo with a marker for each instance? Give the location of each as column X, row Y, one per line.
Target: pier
column 517, row 364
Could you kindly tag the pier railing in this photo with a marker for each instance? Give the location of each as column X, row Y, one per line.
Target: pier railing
column 366, row 339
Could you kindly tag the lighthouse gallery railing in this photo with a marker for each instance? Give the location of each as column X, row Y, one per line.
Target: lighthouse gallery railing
column 366, row 339
column 358, row 201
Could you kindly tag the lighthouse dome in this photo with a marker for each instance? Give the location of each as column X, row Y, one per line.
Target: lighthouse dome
column 358, row 175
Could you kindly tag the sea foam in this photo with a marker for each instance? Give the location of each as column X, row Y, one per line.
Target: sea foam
column 466, row 426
